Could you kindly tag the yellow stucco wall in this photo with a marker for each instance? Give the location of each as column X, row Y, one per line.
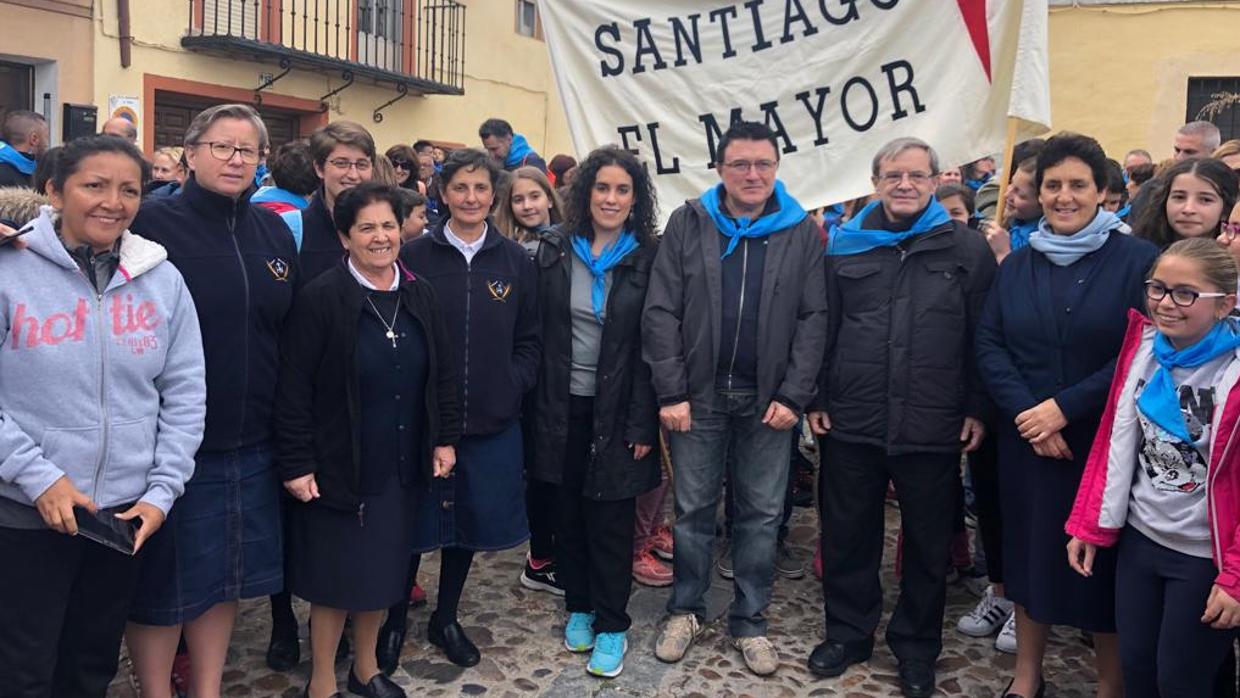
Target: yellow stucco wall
column 1120, row 73
column 506, row 75
column 52, row 36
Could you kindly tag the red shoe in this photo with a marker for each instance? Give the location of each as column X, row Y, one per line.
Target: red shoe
column 650, row 571
column 661, row 543
column 818, row 561
column 417, row 596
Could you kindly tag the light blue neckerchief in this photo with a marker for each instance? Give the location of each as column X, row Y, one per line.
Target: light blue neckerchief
column 851, row 238
column 789, row 214
column 1064, row 250
column 599, row 266
column 11, row 156
column 1160, row 401
column 518, row 152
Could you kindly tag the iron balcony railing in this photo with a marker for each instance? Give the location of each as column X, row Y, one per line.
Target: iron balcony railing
column 419, row 44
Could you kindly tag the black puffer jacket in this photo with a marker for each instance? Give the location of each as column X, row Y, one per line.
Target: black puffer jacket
column 899, row 370
column 625, row 411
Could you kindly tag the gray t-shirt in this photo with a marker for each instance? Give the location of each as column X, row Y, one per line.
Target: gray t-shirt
column 587, row 331
column 1168, row 498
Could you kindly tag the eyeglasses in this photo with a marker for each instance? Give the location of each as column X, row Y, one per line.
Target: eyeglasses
column 345, row 164
column 224, row 152
column 399, row 164
column 1183, row 297
column 892, row 179
column 743, row 166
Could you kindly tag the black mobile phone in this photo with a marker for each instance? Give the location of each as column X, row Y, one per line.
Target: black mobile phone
column 6, row 238
column 104, row 528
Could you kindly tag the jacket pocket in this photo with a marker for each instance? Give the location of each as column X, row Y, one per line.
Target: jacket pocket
column 939, row 288
column 76, row 452
column 129, row 460
column 861, row 287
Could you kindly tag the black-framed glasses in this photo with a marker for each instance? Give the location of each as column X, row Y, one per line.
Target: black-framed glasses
column 345, row 164
column 1180, row 296
column 403, row 165
column 224, row 152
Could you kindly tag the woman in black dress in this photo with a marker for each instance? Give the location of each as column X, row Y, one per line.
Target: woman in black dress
column 367, row 411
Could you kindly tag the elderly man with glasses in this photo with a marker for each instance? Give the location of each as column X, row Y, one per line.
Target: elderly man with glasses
column 733, row 330
column 898, row 401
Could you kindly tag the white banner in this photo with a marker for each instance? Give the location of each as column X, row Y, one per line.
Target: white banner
column 834, row 78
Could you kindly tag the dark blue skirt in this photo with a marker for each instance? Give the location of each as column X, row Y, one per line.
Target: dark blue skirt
column 222, row 540
column 1036, row 496
column 481, row 506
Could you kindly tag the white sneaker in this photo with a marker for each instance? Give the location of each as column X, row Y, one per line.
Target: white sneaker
column 987, row 616
column 1006, row 642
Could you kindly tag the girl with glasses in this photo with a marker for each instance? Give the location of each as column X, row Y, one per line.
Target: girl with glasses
column 1163, row 490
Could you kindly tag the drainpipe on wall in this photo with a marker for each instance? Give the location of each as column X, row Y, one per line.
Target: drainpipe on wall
column 122, row 19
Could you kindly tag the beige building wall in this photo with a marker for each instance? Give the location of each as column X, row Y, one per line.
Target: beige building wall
column 1120, row 72
column 506, row 75
column 56, row 37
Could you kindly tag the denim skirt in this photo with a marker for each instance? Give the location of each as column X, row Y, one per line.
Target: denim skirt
column 222, row 540
column 481, row 506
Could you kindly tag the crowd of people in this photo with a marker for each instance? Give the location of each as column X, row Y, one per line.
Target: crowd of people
column 235, row 372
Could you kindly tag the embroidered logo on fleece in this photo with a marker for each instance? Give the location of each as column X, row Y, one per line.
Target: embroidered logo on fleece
column 499, row 290
column 278, row 268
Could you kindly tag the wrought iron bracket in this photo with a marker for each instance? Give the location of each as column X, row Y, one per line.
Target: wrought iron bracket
column 287, row 67
column 402, row 91
column 347, row 76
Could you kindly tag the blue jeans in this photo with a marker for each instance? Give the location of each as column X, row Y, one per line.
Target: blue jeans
column 759, row 475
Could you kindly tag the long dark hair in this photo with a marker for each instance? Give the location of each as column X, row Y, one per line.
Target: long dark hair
column 641, row 222
column 1152, row 223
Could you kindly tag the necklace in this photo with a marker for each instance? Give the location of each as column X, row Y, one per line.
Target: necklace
column 389, row 326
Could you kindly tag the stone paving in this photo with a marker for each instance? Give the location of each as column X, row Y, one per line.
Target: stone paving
column 519, row 633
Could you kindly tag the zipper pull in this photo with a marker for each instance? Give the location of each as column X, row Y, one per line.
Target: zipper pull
column 361, row 515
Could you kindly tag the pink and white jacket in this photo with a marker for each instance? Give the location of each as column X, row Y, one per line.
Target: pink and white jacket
column 1101, row 508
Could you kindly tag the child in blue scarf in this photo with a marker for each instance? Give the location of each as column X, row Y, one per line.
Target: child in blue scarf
column 1163, row 481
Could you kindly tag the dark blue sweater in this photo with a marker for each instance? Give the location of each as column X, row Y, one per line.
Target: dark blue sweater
column 241, row 268
column 320, row 244
column 491, row 309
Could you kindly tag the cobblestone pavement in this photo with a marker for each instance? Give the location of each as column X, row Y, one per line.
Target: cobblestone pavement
column 520, row 635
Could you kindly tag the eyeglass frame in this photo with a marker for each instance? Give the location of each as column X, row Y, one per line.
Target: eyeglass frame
column 359, row 165
column 1152, row 285
column 894, row 179
column 404, row 165
column 762, row 167
column 236, row 150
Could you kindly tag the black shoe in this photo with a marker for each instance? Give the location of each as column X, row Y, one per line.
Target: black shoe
column 541, row 579
column 1007, row 692
column 455, row 644
column 917, row 678
column 284, row 651
column 387, row 651
column 379, row 686
column 833, row 658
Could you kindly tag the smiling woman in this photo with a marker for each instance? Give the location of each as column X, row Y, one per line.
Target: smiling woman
column 131, row 342
column 1191, row 199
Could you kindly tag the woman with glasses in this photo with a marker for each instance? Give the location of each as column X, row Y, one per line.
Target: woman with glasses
column 1191, row 199
column 1046, row 347
column 1230, row 235
column 344, row 157
column 222, row 541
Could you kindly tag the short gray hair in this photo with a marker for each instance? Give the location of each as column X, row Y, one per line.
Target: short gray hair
column 210, row 115
column 1206, row 131
column 899, row 145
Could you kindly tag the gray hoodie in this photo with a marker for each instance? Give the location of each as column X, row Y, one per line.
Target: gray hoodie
column 108, row 389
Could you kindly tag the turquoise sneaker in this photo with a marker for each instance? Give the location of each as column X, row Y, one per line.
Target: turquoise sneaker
column 579, row 632
column 608, row 657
